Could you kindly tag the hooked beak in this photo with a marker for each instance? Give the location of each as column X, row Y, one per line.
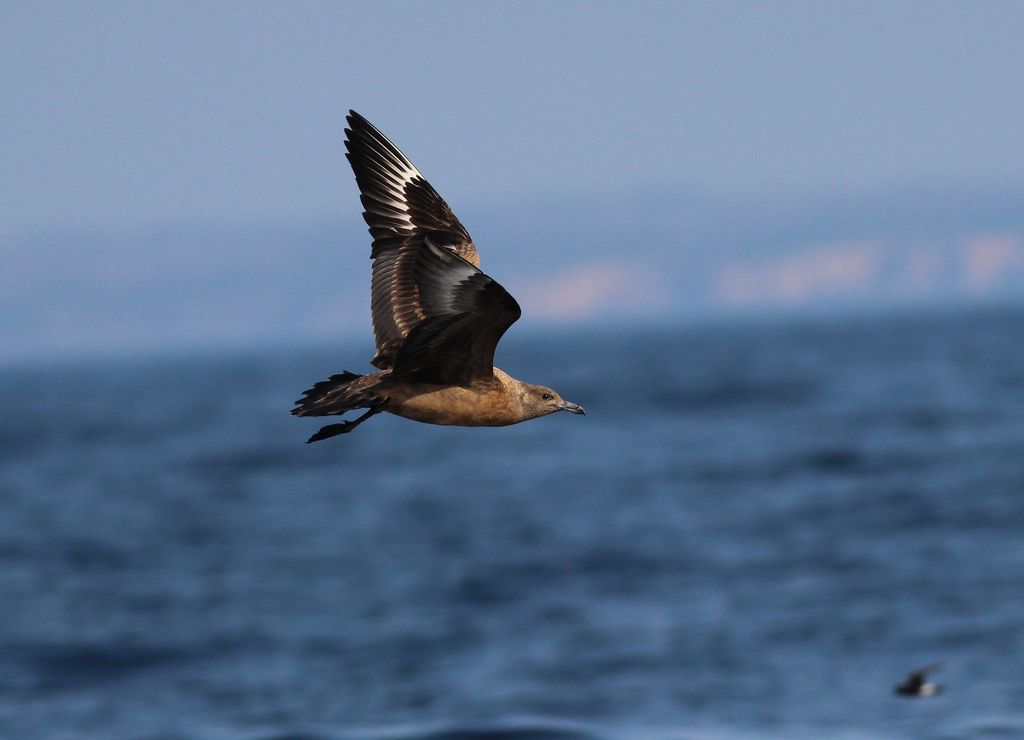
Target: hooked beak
column 574, row 408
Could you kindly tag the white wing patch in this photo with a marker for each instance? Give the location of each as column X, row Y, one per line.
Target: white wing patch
column 395, row 173
column 396, row 205
column 444, row 251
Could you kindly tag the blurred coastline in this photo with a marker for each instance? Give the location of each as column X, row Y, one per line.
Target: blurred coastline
column 663, row 256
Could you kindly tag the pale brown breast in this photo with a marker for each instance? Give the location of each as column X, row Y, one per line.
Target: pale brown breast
column 493, row 404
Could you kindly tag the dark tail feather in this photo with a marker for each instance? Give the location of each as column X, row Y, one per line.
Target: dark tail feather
column 333, row 396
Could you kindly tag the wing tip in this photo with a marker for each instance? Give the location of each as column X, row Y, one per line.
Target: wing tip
column 362, row 134
column 356, row 122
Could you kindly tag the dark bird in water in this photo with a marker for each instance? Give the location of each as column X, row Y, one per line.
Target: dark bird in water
column 917, row 683
column 436, row 318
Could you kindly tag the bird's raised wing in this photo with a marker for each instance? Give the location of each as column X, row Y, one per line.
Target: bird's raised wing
column 920, row 676
column 434, row 312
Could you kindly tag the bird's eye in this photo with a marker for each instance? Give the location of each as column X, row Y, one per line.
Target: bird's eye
column 547, row 396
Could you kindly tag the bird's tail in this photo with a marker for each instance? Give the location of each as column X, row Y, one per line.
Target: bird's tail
column 336, row 395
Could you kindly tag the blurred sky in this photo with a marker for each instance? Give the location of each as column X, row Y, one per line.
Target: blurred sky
column 174, row 173
column 129, row 113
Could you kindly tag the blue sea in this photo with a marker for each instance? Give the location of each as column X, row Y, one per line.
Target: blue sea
column 756, row 532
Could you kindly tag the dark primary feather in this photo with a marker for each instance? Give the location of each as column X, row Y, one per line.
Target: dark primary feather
column 920, row 676
column 915, row 683
column 434, row 312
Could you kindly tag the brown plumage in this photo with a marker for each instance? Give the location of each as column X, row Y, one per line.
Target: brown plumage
column 436, row 318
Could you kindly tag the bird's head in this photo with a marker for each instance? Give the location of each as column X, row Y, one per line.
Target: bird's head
column 538, row 400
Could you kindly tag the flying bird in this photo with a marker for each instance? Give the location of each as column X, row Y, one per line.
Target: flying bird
column 437, row 318
column 917, row 683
